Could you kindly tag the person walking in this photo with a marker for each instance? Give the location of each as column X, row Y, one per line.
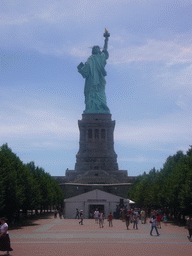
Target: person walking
column 101, row 219
column 153, row 222
column 189, row 226
column 110, row 219
column 123, row 214
column 4, row 237
column 61, row 214
column 55, row 213
column 135, row 221
column 158, row 218
column 137, row 214
column 96, row 215
column 143, row 216
column 77, row 214
column 127, row 219
column 165, row 219
column 81, row 217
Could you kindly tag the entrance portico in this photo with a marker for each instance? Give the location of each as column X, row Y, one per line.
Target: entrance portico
column 89, row 201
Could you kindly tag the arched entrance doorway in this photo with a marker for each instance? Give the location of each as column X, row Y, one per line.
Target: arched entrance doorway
column 93, row 207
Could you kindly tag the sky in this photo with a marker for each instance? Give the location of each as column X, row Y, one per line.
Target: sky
column 149, row 78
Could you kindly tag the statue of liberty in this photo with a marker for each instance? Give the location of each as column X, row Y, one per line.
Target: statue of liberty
column 94, row 73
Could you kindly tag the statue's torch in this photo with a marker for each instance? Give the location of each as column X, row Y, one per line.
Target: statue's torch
column 106, row 35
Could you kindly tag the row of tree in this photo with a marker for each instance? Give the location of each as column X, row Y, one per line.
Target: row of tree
column 25, row 186
column 170, row 188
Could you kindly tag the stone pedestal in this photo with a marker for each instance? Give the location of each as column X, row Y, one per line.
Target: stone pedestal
column 96, row 144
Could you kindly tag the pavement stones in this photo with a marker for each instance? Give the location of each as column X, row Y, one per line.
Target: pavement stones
column 47, row 237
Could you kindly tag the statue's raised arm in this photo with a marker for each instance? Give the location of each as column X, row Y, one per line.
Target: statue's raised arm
column 106, row 35
column 94, row 73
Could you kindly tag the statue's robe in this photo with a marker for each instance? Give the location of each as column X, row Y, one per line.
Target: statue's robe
column 94, row 73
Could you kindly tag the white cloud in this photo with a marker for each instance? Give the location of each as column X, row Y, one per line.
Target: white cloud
column 167, row 129
column 59, row 11
column 176, row 84
column 38, row 122
column 170, row 52
column 35, row 24
column 182, row 79
column 31, row 117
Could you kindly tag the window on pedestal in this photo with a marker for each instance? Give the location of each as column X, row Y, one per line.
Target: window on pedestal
column 90, row 134
column 96, row 133
column 83, row 134
column 103, row 134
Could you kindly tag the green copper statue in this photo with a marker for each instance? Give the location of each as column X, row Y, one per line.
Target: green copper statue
column 94, row 73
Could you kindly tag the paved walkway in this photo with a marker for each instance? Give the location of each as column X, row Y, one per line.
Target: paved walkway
column 47, row 237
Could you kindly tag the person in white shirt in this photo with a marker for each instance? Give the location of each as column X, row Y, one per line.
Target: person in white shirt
column 153, row 222
column 101, row 219
column 96, row 216
column 4, row 237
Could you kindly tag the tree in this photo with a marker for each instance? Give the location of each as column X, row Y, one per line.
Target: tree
column 185, row 193
column 11, row 194
column 24, row 186
column 170, row 187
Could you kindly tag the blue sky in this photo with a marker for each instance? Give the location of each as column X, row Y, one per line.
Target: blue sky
column 149, row 78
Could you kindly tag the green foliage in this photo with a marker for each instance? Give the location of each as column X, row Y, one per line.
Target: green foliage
column 185, row 192
column 170, row 187
column 24, row 186
column 189, row 152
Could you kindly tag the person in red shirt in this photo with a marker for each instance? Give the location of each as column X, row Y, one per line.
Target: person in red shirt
column 130, row 212
column 158, row 218
column 110, row 219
